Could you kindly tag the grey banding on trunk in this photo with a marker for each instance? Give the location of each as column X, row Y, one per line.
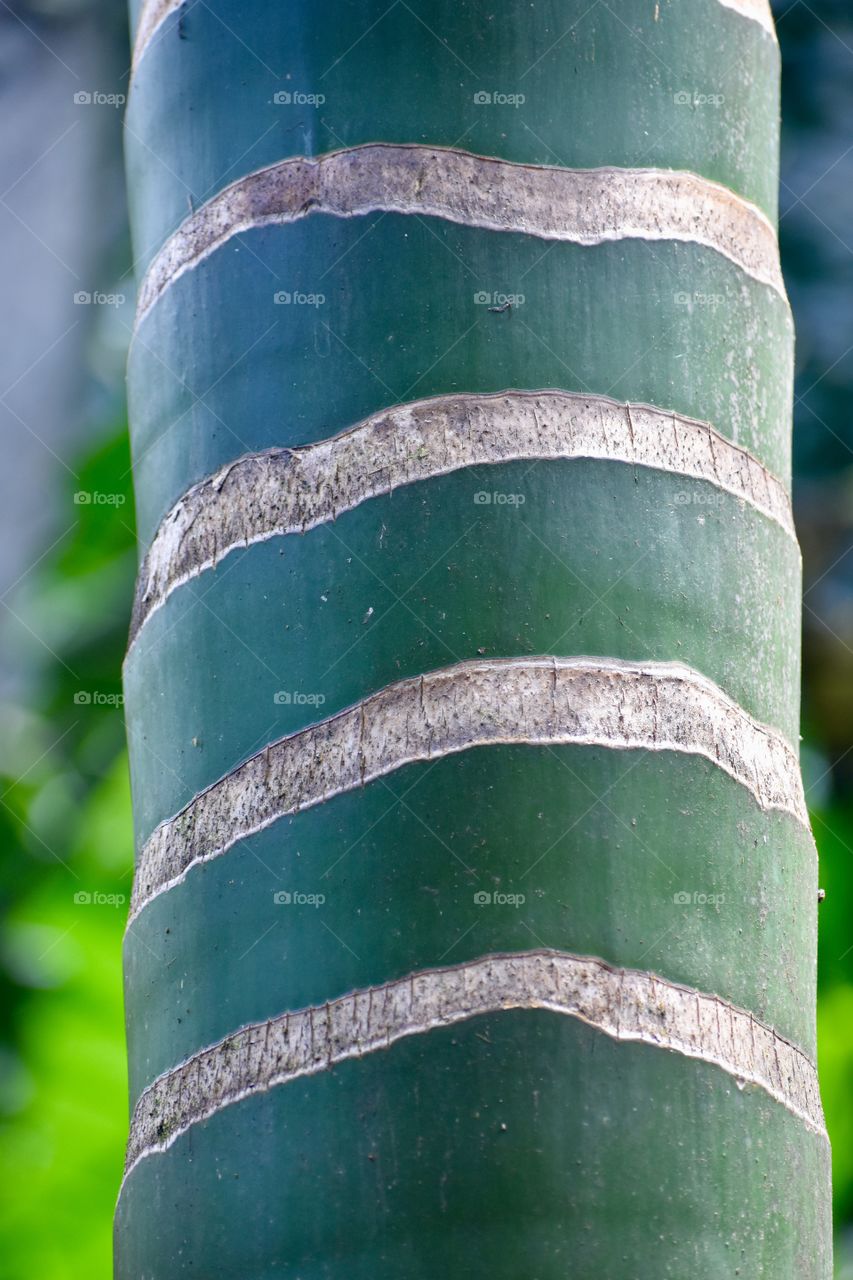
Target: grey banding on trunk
column 758, row 10
column 583, row 206
column 152, row 15
column 625, row 1004
column 285, row 491
column 154, row 12
column 535, row 701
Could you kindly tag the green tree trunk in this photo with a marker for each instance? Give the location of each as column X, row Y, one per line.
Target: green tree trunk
column 473, row 930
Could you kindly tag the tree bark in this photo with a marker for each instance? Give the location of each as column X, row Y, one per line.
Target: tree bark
column 473, row 929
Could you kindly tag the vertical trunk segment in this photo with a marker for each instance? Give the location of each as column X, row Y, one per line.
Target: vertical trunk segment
column 474, row 920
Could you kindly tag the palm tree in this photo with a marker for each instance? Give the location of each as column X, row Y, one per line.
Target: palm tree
column 473, row 929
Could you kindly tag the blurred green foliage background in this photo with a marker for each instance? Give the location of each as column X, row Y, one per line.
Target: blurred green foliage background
column 65, row 833
column 65, row 829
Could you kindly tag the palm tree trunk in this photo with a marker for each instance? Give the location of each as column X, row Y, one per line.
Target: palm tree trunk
column 473, row 929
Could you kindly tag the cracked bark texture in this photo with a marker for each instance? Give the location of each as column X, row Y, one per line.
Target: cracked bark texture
column 375, row 764
column 616, row 705
column 622, row 1004
column 580, row 206
column 286, row 491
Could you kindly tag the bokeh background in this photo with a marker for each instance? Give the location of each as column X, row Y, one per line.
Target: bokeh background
column 67, row 565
